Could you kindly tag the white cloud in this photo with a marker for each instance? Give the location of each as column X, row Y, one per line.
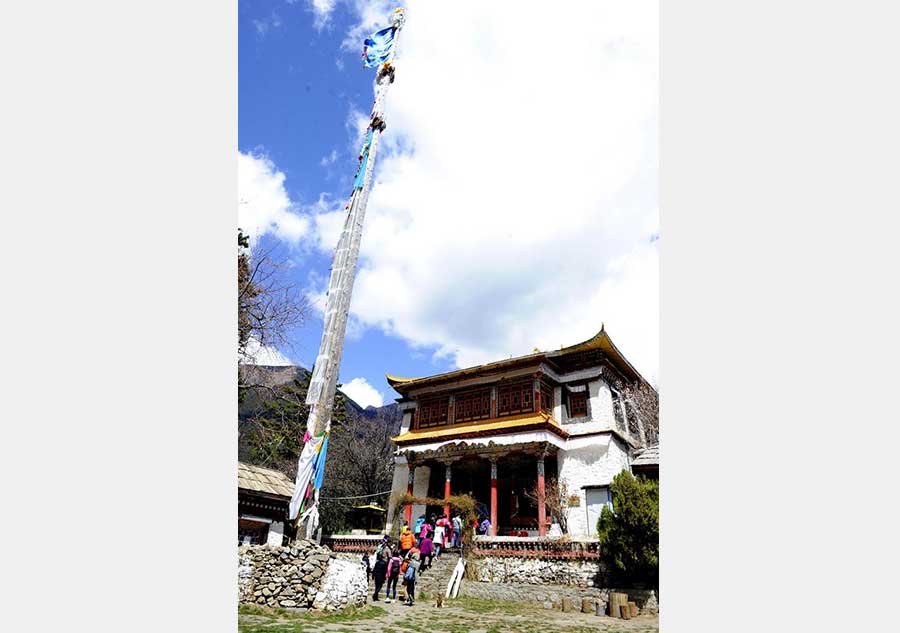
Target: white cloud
column 256, row 354
column 265, row 24
column 264, row 204
column 322, row 10
column 364, row 394
column 515, row 197
column 329, row 159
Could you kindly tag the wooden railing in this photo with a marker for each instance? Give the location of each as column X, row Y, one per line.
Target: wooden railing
column 536, row 547
column 351, row 543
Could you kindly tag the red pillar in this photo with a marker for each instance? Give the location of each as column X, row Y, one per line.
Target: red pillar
column 493, row 497
column 447, row 487
column 409, row 490
column 542, row 510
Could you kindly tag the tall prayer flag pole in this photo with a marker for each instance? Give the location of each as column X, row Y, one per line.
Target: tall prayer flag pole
column 379, row 53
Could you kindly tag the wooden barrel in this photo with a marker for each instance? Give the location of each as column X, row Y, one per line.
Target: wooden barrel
column 616, row 600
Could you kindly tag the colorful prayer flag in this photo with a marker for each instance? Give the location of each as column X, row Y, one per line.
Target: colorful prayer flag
column 378, row 47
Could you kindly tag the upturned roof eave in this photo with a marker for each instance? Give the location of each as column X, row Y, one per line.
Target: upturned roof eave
column 600, row 341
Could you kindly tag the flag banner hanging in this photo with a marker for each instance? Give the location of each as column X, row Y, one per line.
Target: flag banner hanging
column 364, row 160
column 379, row 52
column 306, row 469
column 378, row 46
column 320, row 464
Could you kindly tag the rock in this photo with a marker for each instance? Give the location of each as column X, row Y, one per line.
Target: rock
column 288, row 603
column 548, row 605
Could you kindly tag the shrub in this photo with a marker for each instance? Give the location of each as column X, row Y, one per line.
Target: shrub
column 629, row 534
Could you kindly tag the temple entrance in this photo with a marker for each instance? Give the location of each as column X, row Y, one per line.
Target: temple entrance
column 517, row 514
column 471, row 476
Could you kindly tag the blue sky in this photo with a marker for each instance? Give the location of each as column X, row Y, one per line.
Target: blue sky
column 506, row 214
column 295, row 89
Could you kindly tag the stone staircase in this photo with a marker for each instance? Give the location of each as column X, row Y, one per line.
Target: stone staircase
column 434, row 579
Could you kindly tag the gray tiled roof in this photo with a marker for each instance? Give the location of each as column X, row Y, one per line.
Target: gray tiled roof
column 648, row 457
column 264, row 480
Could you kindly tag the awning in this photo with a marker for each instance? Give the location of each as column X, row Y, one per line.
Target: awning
column 495, row 428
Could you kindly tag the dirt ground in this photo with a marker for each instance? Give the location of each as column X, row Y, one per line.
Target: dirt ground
column 465, row 615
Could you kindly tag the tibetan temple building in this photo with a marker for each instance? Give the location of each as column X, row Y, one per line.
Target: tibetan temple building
column 499, row 431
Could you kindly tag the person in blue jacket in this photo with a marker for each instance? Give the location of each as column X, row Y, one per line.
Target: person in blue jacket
column 418, row 529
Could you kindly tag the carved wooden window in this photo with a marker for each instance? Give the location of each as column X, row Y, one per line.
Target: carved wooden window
column 578, row 404
column 473, row 405
column 432, row 412
column 518, row 398
column 546, row 398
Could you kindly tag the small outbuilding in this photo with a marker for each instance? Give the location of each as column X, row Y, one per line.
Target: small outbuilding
column 263, row 499
column 647, row 463
column 368, row 519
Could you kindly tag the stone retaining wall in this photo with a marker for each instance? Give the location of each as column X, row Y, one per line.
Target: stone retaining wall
column 302, row 576
column 536, row 571
column 552, row 595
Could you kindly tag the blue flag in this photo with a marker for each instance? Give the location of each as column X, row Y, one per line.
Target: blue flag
column 320, row 464
column 378, row 47
column 361, row 171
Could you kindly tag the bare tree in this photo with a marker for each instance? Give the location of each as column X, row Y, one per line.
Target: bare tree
column 556, row 500
column 269, row 305
column 642, row 406
column 360, row 464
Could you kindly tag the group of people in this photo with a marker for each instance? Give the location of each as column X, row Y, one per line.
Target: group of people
column 394, row 562
column 435, row 534
column 414, row 552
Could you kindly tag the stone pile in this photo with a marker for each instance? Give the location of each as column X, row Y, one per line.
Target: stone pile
column 301, row 576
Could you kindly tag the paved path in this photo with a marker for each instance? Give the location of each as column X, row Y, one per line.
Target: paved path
column 466, row 615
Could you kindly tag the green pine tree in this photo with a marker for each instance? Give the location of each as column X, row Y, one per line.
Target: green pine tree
column 629, row 534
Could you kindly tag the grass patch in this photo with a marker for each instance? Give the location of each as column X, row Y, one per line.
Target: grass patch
column 265, row 620
column 486, row 605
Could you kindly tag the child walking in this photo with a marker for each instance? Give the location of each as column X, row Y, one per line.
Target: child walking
column 393, row 574
column 412, row 570
column 426, row 553
column 380, row 569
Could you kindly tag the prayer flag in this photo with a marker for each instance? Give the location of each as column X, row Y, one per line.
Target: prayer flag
column 361, row 172
column 378, row 46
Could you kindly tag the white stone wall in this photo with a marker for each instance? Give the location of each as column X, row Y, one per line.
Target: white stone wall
column 276, row 533
column 594, row 465
column 344, row 585
column 559, row 410
column 601, row 404
column 398, row 487
column 535, row 571
column 407, row 420
column 420, row 489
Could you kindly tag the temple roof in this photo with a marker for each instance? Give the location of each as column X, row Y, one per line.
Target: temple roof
column 599, row 341
column 492, row 426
